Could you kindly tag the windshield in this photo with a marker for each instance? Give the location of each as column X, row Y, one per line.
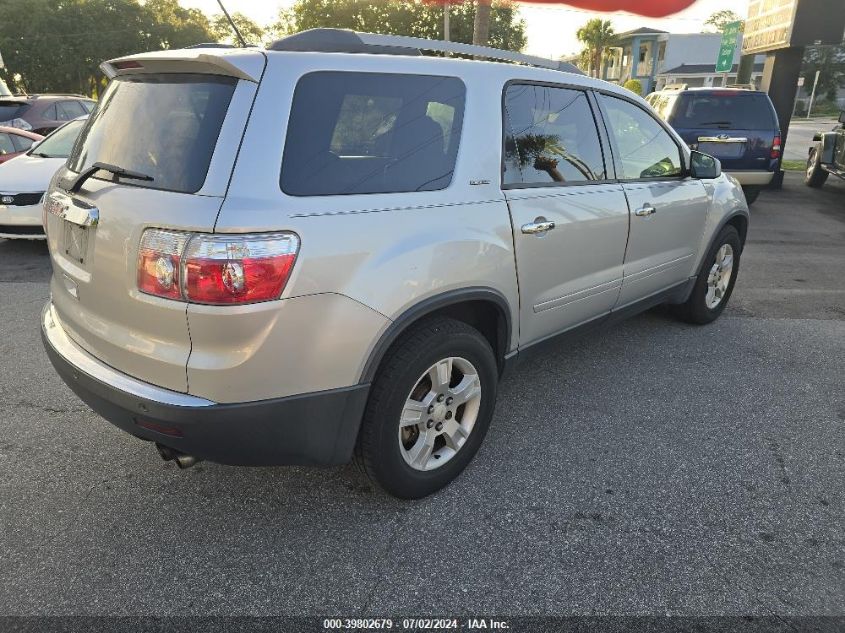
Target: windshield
column 59, row 143
column 728, row 110
column 164, row 126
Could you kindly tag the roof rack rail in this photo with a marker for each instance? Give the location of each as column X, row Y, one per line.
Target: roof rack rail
column 346, row 41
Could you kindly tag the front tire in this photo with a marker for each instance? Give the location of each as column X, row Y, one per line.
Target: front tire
column 429, row 408
column 715, row 282
column 815, row 176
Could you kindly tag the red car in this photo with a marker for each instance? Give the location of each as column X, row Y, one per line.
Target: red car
column 14, row 141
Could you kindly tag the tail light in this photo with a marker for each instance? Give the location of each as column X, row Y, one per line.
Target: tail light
column 776, row 147
column 215, row 269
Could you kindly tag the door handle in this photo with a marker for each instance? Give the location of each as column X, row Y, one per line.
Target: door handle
column 645, row 210
column 538, row 226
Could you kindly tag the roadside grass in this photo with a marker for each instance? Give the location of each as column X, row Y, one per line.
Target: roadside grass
column 793, row 165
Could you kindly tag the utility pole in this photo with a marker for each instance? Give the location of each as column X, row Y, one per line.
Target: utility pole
column 813, row 94
column 446, row 35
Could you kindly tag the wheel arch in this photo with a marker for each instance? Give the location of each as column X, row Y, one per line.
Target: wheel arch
column 737, row 219
column 485, row 309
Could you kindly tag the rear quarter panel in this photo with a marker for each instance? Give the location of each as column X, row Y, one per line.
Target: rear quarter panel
column 387, row 252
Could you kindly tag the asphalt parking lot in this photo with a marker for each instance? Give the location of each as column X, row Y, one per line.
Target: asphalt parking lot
column 653, row 468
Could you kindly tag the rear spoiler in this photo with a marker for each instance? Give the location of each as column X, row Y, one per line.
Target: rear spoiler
column 246, row 64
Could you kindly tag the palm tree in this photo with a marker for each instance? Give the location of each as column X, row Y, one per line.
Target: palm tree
column 481, row 25
column 596, row 35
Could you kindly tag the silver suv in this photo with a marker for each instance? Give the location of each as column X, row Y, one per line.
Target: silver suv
column 337, row 246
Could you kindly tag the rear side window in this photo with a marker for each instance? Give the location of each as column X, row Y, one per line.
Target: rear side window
column 550, row 137
column 359, row 133
column 164, row 126
column 727, row 110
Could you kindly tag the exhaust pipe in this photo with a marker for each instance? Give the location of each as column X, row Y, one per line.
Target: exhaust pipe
column 182, row 460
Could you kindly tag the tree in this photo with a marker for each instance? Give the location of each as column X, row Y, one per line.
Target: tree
column 830, row 62
column 634, row 86
column 481, row 23
column 719, row 19
column 58, row 45
column 596, row 35
column 404, row 17
column 249, row 30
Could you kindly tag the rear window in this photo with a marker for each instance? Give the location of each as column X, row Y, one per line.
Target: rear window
column 730, row 111
column 12, row 110
column 358, row 133
column 164, row 126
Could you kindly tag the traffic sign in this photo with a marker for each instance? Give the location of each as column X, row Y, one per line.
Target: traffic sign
column 727, row 49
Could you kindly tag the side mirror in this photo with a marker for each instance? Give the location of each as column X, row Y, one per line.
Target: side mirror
column 703, row 165
column 842, row 116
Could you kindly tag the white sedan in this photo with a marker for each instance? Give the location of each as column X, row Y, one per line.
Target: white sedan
column 24, row 179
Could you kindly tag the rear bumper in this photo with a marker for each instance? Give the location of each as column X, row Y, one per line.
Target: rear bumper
column 316, row 429
column 761, row 178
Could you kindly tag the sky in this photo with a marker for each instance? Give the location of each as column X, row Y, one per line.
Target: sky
column 550, row 28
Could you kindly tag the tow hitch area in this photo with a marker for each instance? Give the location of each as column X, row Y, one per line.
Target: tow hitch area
column 182, row 460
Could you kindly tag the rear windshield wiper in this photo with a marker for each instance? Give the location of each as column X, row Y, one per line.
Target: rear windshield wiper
column 120, row 172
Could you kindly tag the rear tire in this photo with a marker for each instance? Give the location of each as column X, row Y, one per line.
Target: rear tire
column 751, row 194
column 435, row 358
column 815, row 176
column 715, row 283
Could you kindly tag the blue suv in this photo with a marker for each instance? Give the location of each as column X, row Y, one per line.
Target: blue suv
column 737, row 126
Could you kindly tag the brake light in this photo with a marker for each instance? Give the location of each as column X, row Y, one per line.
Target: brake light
column 215, row 269
column 226, row 269
column 776, row 147
column 159, row 263
column 127, row 64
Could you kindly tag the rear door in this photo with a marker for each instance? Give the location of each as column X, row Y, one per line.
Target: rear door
column 570, row 220
column 182, row 129
column 668, row 209
column 737, row 127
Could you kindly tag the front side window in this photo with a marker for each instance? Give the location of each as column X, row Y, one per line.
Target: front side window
column 163, row 126
column 360, row 133
column 646, row 150
column 550, row 137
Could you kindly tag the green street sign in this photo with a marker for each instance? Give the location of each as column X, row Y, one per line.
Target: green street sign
column 727, row 48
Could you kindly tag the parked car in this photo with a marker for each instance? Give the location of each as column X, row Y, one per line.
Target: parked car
column 24, row 179
column 43, row 113
column 827, row 155
column 737, row 126
column 290, row 257
column 13, row 142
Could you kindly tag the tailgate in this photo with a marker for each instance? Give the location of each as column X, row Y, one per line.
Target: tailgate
column 182, row 130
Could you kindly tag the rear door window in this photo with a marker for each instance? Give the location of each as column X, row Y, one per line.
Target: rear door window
column 12, row 110
column 361, row 133
column 6, row 144
column 551, row 137
column 69, row 110
column 164, row 126
column 725, row 110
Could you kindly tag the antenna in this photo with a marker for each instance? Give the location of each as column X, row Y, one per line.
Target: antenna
column 232, row 23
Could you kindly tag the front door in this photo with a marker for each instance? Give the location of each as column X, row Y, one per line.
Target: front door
column 570, row 224
column 668, row 209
